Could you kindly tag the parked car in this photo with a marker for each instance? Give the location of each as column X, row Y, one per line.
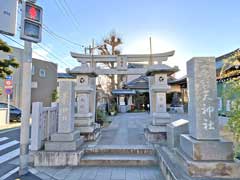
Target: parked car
column 15, row 113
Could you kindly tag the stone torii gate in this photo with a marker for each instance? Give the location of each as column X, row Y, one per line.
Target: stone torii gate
column 85, row 89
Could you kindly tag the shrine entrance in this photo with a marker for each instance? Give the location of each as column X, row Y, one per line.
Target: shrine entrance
column 92, row 65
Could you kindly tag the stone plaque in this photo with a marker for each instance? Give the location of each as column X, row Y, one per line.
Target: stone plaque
column 66, row 107
column 202, row 98
column 83, row 103
column 161, row 102
column 122, row 63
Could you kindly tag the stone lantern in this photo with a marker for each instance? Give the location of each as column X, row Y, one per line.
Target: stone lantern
column 85, row 109
column 158, row 87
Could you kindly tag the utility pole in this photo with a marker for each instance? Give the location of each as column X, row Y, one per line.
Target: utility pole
column 31, row 20
column 25, row 104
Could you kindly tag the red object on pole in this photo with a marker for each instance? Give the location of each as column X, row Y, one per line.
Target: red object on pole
column 32, row 12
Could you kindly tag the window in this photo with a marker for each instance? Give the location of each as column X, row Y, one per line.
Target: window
column 42, row 73
column 33, row 69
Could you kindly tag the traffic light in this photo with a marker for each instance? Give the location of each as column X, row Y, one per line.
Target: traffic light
column 31, row 27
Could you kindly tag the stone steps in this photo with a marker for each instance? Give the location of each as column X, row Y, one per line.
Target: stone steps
column 105, row 149
column 119, row 156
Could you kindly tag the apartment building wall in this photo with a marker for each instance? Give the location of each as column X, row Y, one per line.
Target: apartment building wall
column 42, row 87
column 44, row 81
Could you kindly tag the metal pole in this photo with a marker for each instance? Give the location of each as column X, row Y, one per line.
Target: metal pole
column 25, row 105
column 92, row 53
column 151, row 61
column 8, row 107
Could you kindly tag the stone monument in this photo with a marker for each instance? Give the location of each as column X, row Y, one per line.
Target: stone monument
column 66, row 138
column 202, row 152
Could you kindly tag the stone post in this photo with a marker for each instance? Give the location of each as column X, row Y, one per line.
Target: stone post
column 66, row 138
column 203, row 142
column 36, row 130
column 66, row 107
column 86, row 106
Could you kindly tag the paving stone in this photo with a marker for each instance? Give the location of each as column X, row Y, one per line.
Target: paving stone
column 118, row 173
column 89, row 173
column 62, row 173
column 133, row 173
column 75, row 174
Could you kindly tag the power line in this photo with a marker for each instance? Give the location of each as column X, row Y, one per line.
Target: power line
column 11, row 39
column 47, row 29
column 57, row 36
column 52, row 54
column 65, row 4
column 66, row 13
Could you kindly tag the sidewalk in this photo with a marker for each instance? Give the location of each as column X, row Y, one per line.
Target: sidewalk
column 10, row 126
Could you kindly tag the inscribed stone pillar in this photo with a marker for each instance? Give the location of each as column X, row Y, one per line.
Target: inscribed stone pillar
column 67, row 138
column 202, row 88
column 66, row 107
column 203, row 142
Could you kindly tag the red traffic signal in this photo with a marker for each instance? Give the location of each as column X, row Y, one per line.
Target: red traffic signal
column 33, row 12
column 31, row 22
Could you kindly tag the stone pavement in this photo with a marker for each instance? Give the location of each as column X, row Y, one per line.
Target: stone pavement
column 125, row 129
column 99, row 173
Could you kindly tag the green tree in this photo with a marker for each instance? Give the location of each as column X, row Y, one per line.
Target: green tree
column 54, row 95
column 232, row 92
column 6, row 64
column 110, row 47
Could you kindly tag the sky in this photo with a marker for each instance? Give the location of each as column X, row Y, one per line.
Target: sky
column 190, row 27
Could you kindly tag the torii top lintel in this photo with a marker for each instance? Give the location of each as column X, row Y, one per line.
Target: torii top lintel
column 159, row 57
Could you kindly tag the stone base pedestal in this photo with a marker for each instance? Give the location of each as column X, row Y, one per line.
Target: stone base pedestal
column 161, row 118
column 209, row 169
column 64, row 142
column 90, row 133
column 207, row 158
column 83, row 120
column 156, row 134
column 213, row 150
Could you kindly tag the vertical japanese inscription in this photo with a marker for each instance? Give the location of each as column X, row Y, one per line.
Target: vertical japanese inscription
column 207, row 106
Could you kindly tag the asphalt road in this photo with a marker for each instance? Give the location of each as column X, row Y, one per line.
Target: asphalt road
column 9, row 155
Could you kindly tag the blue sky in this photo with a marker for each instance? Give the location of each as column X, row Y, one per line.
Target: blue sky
column 191, row 27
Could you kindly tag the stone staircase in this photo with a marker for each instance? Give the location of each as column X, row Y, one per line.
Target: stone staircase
column 118, row 155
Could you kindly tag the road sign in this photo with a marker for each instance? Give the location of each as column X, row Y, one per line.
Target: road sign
column 8, row 78
column 8, row 91
column 8, row 16
column 31, row 26
column 8, row 83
